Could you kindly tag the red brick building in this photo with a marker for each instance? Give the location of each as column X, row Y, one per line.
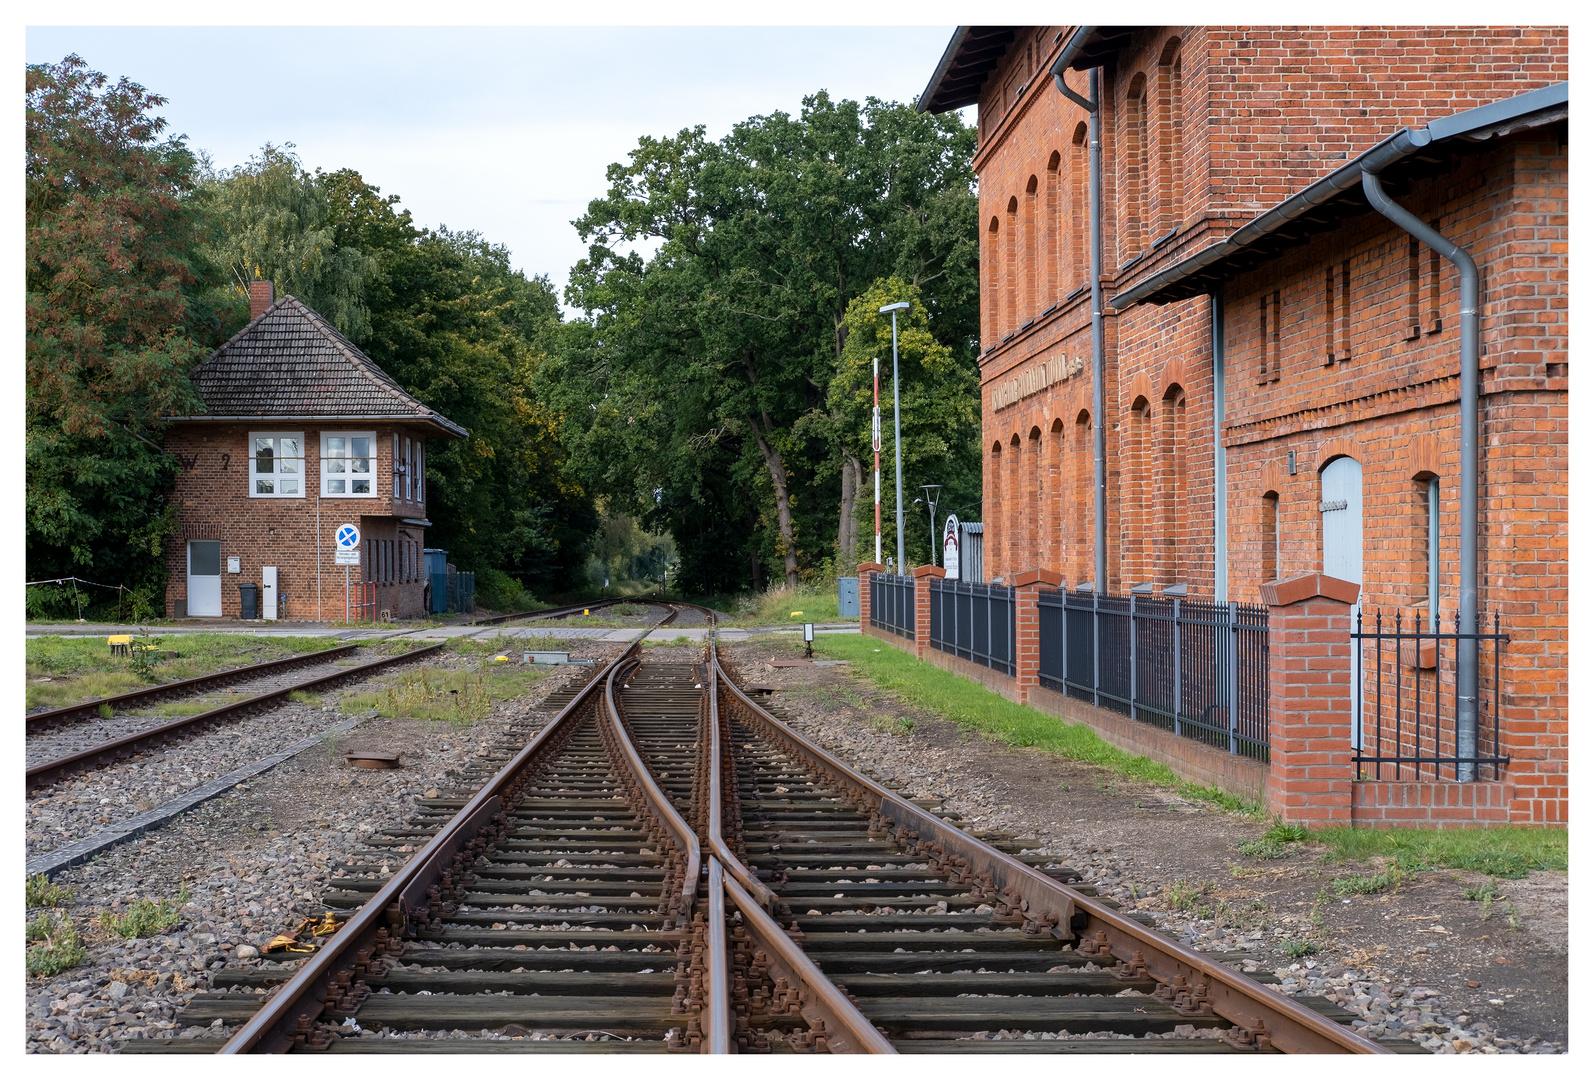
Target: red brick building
column 1281, row 378
column 302, row 432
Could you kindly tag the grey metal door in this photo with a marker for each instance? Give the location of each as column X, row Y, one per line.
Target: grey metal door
column 1342, row 548
column 204, row 577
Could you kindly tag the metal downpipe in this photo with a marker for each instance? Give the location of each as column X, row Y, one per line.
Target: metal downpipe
column 1098, row 336
column 1466, row 647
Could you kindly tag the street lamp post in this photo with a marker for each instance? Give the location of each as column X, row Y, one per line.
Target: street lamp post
column 896, row 423
column 931, row 492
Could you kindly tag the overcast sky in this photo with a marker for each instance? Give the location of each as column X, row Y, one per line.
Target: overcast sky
column 503, row 130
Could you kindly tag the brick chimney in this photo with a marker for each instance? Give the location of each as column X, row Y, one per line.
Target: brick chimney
column 261, row 296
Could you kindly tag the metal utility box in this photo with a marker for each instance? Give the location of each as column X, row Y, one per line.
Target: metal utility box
column 847, row 597
column 248, row 600
column 268, row 592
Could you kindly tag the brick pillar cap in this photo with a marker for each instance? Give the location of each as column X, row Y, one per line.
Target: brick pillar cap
column 1309, row 587
column 871, row 568
column 928, row 571
column 1037, row 574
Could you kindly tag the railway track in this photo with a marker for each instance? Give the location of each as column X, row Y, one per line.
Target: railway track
column 123, row 746
column 667, row 866
column 201, row 684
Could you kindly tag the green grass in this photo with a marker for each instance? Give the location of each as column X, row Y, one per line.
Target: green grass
column 774, row 607
column 80, row 669
column 455, row 697
column 1297, row 950
column 53, row 945
column 144, row 917
column 972, row 706
column 1504, row 851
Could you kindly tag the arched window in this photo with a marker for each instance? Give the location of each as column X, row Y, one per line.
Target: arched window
column 1055, row 511
column 1010, row 316
column 1036, row 512
column 1173, row 494
column 1139, row 561
column 1052, row 282
column 1081, row 515
column 996, row 508
column 1030, row 272
column 1170, row 138
column 1136, row 169
column 993, row 283
column 1079, row 207
column 1015, row 485
column 1270, row 536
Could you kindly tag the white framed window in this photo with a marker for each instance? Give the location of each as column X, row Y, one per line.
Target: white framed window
column 276, row 464
column 348, row 464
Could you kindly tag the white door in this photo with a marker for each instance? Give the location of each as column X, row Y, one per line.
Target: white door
column 204, row 577
column 1342, row 549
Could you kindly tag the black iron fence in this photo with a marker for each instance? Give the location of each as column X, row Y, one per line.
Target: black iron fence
column 975, row 621
column 1194, row 668
column 891, row 603
column 1404, row 683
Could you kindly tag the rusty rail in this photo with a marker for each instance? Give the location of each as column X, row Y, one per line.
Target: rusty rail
column 108, row 753
column 1261, row 1017
column 181, row 688
column 286, row 1020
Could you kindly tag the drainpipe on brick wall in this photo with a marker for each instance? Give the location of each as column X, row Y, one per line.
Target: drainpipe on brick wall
column 1466, row 648
column 1220, row 458
column 1098, row 330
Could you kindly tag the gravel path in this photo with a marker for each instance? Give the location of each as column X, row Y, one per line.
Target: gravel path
column 253, row 865
column 966, row 773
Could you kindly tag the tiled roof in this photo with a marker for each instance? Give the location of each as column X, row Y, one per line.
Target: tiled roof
column 290, row 362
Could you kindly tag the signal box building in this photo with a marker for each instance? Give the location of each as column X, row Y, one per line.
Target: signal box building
column 302, row 433
column 1281, row 376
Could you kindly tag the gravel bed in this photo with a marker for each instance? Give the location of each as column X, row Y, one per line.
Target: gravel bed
column 64, row 739
column 253, row 865
column 1388, row 1006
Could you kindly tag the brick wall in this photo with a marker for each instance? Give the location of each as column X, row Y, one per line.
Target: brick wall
column 212, row 498
column 1359, row 357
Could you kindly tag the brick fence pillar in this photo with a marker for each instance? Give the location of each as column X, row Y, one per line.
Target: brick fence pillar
column 865, row 593
column 921, row 607
column 1310, row 685
column 1027, row 585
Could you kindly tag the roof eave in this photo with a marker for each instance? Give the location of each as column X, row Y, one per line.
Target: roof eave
column 449, row 429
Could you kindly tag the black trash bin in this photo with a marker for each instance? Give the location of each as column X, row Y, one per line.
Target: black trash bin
column 248, row 600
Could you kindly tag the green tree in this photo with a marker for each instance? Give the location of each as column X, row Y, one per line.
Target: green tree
column 940, row 411
column 277, row 222
column 726, row 339
column 117, row 313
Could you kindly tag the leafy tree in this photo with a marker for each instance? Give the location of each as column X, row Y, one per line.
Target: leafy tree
column 728, row 336
column 940, row 411
column 277, row 222
column 117, row 313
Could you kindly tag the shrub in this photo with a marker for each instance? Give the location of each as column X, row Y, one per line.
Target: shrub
column 42, row 892
column 145, row 917
column 53, row 945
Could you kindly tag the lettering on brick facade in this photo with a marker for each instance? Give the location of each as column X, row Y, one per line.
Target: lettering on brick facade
column 1035, row 379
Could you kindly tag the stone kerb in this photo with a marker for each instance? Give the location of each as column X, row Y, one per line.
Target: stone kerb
column 922, row 576
column 1309, row 698
column 1027, row 585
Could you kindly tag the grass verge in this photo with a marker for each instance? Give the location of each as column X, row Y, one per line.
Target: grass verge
column 79, row 669
column 1506, row 851
column 970, row 705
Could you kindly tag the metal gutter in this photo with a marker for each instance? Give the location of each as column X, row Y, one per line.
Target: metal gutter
column 959, row 36
column 1485, row 121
